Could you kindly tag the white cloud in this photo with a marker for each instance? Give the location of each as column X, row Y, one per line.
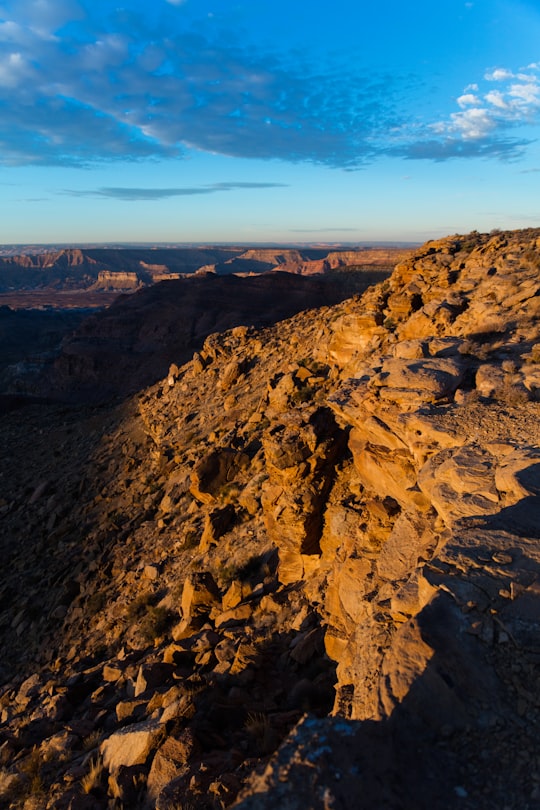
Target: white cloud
column 143, row 89
column 137, row 91
column 473, row 123
column 498, row 75
column 496, row 98
column 14, row 70
column 483, row 127
column 510, row 104
column 529, row 93
column 467, row 99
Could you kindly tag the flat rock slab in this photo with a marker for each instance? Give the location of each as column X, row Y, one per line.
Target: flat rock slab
column 132, row 745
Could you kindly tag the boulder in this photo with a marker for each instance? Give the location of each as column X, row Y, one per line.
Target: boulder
column 133, row 745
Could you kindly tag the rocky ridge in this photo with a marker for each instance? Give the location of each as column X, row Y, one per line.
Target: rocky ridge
column 300, row 571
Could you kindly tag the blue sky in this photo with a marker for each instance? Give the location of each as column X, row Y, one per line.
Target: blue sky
column 267, row 120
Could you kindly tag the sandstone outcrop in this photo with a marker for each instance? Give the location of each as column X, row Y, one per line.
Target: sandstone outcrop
column 300, row 571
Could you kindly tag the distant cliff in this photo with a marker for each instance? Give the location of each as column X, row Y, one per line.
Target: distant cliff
column 87, row 269
column 80, row 268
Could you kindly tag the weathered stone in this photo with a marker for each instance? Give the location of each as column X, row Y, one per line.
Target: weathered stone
column 233, row 595
column 216, row 524
column 230, row 375
column 199, row 595
column 490, row 380
column 460, row 483
column 400, row 554
column 300, row 456
column 386, row 472
column 133, row 745
column 214, row 472
column 170, row 759
column 151, row 676
column 426, row 380
column 150, row 572
column 130, row 710
column 354, row 334
column 516, row 476
column 237, row 614
column 111, row 674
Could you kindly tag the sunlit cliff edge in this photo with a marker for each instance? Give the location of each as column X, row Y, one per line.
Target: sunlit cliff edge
column 300, row 571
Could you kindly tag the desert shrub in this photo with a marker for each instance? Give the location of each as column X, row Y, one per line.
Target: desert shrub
column 155, row 622
column 96, row 602
column 140, row 604
column 32, row 769
column 534, row 356
column 229, row 492
column 259, row 729
column 227, row 574
column 315, row 366
column 92, row 741
column 303, row 394
column 10, row 786
column 513, row 394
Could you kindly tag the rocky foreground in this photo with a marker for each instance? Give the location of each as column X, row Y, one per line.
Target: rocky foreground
column 301, row 571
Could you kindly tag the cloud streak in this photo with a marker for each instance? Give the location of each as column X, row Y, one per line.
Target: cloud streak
column 321, row 230
column 129, row 194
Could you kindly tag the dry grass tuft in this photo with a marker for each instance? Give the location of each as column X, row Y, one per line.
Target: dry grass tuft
column 93, row 780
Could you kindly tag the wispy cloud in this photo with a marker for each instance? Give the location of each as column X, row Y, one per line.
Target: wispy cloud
column 75, row 90
column 458, row 147
column 321, row 230
column 134, row 194
column 71, row 94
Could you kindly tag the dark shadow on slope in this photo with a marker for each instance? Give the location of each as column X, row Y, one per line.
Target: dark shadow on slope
column 133, row 343
column 457, row 740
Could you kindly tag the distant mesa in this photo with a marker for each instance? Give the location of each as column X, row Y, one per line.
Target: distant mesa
column 124, row 282
column 128, row 269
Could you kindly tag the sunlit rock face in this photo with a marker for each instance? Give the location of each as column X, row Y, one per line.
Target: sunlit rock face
column 301, row 570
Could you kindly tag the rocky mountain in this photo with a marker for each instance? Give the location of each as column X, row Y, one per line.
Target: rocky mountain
column 300, row 571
